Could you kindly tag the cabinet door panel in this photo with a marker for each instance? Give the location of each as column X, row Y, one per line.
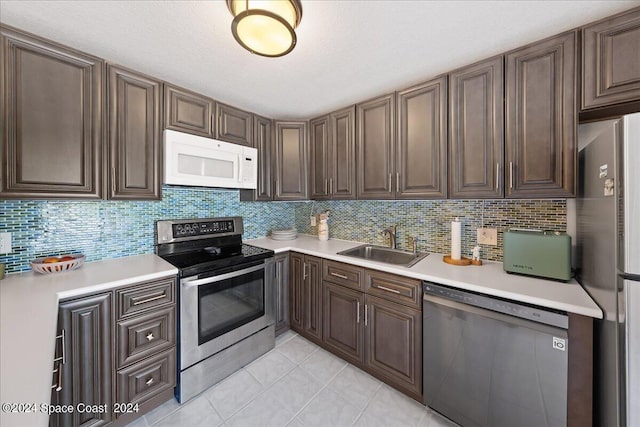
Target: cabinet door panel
column 282, row 292
column 611, row 62
column 375, row 141
column 342, row 328
column 313, row 298
column 234, row 125
column 476, row 122
column 52, row 113
column 87, row 373
column 291, row 161
column 394, row 344
column 188, row 111
column 342, row 176
column 541, row 119
column 296, row 286
column 134, row 135
column 262, row 140
column 320, row 157
column 421, row 154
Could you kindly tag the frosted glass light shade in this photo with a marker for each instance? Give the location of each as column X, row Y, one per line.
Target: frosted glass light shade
column 265, row 27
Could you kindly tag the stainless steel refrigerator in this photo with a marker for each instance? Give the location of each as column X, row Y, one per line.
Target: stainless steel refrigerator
column 608, row 261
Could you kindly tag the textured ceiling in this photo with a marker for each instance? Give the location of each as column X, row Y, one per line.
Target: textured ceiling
column 347, row 51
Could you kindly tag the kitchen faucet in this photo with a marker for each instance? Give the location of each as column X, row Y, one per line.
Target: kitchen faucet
column 391, row 231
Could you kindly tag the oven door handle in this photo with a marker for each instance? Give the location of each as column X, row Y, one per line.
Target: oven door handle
column 190, row 282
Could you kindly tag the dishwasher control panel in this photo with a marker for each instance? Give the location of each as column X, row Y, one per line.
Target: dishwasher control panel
column 512, row 308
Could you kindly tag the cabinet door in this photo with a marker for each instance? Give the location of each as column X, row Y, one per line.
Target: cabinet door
column 421, row 148
column 234, row 125
column 342, row 166
column 262, row 141
column 312, row 307
column 187, row 111
column 291, row 161
column 343, row 325
column 394, row 344
column 541, row 119
column 319, row 137
column 611, row 60
column 135, row 140
column 476, row 122
column 282, row 292
column 51, row 110
column 297, row 270
column 87, row 373
column 375, row 144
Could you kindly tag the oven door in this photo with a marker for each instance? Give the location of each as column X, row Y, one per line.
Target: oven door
column 219, row 311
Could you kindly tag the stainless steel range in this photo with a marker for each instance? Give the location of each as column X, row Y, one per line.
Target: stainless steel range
column 227, row 299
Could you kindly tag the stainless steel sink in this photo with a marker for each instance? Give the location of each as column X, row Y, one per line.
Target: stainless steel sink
column 383, row 254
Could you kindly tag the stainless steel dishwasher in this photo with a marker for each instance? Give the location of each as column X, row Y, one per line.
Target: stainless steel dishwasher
column 493, row 362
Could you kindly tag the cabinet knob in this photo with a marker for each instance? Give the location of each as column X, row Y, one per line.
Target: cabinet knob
column 150, row 337
column 149, row 381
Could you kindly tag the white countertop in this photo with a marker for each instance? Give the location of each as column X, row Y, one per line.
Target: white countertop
column 28, row 324
column 488, row 278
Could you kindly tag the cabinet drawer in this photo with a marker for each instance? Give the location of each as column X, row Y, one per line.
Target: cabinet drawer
column 142, row 336
column 399, row 289
column 146, row 379
column 342, row 274
column 144, row 296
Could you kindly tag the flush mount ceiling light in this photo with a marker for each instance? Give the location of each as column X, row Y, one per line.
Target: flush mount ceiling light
column 265, row 27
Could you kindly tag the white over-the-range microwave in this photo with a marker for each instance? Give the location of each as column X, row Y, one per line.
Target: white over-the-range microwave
column 205, row 162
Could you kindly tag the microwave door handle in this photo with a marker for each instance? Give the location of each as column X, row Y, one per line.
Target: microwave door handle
column 198, row 282
column 240, row 157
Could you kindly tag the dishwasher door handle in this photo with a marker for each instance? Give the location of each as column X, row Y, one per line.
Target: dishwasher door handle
column 505, row 318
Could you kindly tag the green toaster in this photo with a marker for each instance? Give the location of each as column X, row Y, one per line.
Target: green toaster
column 538, row 253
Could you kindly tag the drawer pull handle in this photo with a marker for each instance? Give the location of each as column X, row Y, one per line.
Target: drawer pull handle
column 388, row 289
column 358, row 312
column 144, row 301
column 342, row 276
column 150, row 337
column 149, row 381
column 366, row 315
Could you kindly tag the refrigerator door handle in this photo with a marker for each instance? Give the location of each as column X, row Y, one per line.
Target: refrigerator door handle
column 631, row 201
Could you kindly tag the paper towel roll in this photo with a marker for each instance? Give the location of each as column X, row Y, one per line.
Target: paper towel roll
column 456, row 238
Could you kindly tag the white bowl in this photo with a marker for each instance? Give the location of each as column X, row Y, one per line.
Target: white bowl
column 55, row 267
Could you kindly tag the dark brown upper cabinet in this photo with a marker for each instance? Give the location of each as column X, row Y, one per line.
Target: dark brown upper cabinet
column 611, row 60
column 187, row 111
column 342, row 177
column 290, row 163
column 333, row 150
column 421, row 147
column 135, row 138
column 541, row 118
column 476, row 130
column 234, row 125
column 375, row 146
column 51, row 110
column 319, row 137
column 262, row 141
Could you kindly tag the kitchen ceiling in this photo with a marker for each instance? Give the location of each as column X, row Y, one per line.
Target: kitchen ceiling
column 347, row 51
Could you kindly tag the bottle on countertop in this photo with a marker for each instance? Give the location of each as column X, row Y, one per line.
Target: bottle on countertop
column 323, row 226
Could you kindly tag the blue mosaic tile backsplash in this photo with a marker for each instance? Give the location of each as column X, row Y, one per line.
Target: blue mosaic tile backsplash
column 430, row 221
column 113, row 229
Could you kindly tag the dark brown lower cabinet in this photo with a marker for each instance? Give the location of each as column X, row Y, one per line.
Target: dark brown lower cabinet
column 305, row 296
column 393, row 349
column 282, row 292
column 123, row 364
column 343, row 322
column 87, row 366
column 382, row 335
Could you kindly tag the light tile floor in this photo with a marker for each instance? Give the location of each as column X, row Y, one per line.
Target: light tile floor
column 296, row 384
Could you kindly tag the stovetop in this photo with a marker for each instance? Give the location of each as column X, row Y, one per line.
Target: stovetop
column 209, row 259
